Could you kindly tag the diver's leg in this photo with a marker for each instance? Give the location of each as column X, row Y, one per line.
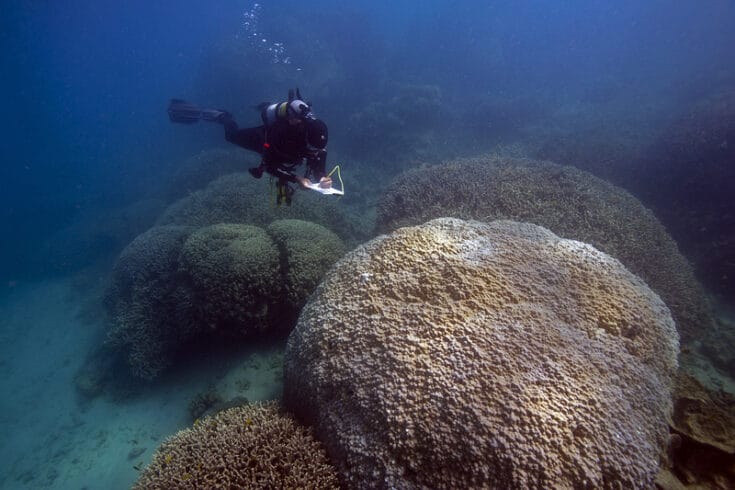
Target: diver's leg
column 248, row 138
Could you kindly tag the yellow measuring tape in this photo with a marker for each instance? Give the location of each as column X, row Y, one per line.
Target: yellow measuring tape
column 339, row 176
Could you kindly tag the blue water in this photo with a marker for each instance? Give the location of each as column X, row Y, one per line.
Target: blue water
column 85, row 135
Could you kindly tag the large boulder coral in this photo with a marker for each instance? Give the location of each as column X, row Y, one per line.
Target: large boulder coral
column 175, row 284
column 470, row 355
column 150, row 311
column 309, row 250
column 253, row 446
column 572, row 203
column 234, row 272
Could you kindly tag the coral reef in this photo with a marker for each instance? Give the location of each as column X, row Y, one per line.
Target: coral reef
column 703, row 428
column 255, row 446
column 309, row 250
column 234, row 273
column 471, row 355
column 149, row 308
column 571, row 203
column 238, row 198
column 705, row 415
column 224, row 281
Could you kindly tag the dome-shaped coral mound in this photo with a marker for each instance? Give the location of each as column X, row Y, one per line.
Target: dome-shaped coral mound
column 309, row 250
column 174, row 284
column 570, row 202
column 234, row 272
column 239, row 198
column 255, row 446
column 146, row 300
column 470, row 355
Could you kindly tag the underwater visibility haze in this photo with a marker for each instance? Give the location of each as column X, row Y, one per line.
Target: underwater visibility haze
column 529, row 281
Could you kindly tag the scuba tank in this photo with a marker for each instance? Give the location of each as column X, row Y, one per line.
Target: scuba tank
column 293, row 108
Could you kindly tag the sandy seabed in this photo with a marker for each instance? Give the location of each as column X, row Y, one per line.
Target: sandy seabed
column 50, row 439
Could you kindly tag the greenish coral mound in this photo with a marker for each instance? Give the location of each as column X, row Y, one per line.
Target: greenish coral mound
column 253, row 446
column 238, row 198
column 175, row 284
column 570, row 202
column 308, row 250
column 150, row 310
column 234, row 275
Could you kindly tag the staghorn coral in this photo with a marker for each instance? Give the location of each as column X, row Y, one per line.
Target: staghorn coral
column 570, row 202
column 150, row 310
column 254, row 446
column 308, row 250
column 469, row 355
column 234, row 273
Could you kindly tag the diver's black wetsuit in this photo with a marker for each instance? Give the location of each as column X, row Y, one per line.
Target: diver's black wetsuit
column 283, row 146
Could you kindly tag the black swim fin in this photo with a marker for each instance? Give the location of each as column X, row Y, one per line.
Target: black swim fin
column 181, row 111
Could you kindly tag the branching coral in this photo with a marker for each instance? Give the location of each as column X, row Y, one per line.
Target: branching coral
column 255, row 446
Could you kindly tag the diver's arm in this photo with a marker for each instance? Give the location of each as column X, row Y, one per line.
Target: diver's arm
column 317, row 163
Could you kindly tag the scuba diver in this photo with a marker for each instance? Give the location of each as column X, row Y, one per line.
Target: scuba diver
column 290, row 135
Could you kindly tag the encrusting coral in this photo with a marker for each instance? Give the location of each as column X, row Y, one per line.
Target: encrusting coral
column 255, row 446
column 571, row 203
column 471, row 355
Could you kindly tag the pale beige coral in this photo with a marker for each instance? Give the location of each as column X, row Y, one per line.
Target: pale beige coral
column 255, row 447
column 468, row 355
column 570, row 202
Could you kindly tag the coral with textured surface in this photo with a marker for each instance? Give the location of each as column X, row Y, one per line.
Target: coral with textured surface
column 146, row 301
column 570, row 202
column 470, row 355
column 255, row 446
column 239, row 198
column 235, row 281
column 234, row 272
column 309, row 250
